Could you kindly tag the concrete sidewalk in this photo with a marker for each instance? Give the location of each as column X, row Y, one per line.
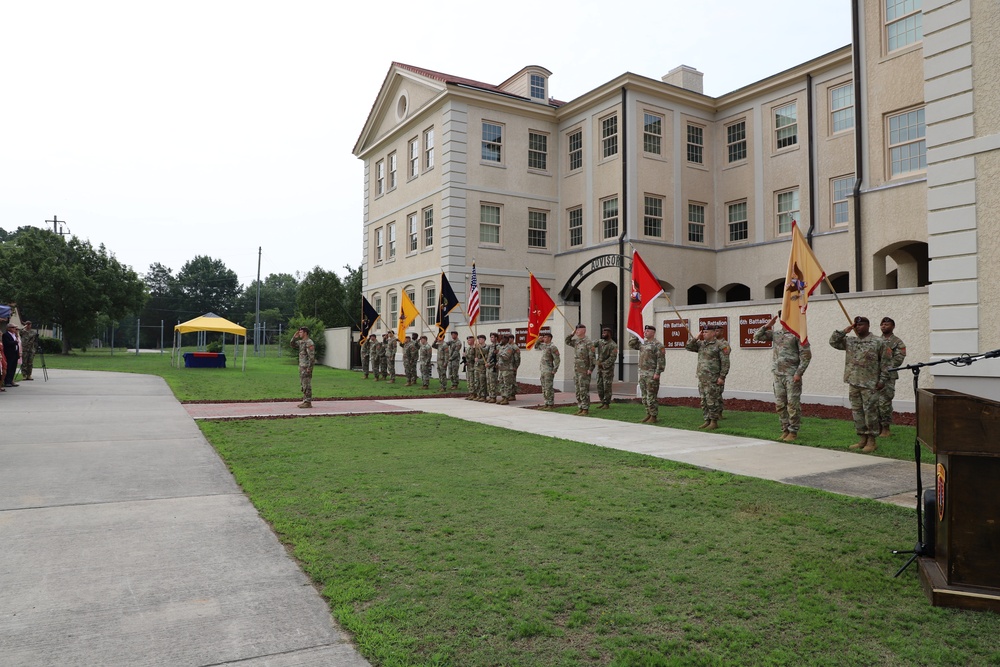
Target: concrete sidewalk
column 125, row 541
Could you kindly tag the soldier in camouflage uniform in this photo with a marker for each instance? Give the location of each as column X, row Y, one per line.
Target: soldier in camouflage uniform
column 789, row 361
column 547, row 368
column 898, row 350
column 29, row 341
column 713, row 367
column 505, row 368
column 866, row 363
column 606, row 350
column 512, row 396
column 443, row 348
column 583, row 366
column 410, row 351
column 454, row 358
column 424, row 359
column 491, row 369
column 652, row 361
column 378, row 358
column 480, row 368
column 367, row 349
column 391, row 344
column 307, row 359
column 469, row 359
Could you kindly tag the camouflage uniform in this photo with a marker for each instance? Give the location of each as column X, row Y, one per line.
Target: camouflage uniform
column 29, row 342
column 491, row 372
column 479, row 369
column 424, row 359
column 378, row 359
column 454, row 361
column 366, row 355
column 410, row 351
column 713, row 363
column 607, row 355
column 443, row 352
column 865, row 364
column 547, row 368
column 789, row 358
column 583, row 366
column 517, row 364
column 307, row 358
column 390, row 357
column 469, row 358
column 652, row 361
column 897, row 349
column 505, row 371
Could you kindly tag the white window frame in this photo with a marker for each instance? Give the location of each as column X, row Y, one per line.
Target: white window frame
column 490, row 303
column 392, row 171
column 490, row 225
column 574, row 217
column 393, row 314
column 904, row 23
column 736, row 142
column 538, row 229
column 380, row 178
column 651, row 216
column 652, row 133
column 842, row 108
column 390, row 239
column 413, row 157
column 536, row 81
column 610, row 218
column 744, row 221
column 377, row 303
column 696, row 222
column 379, row 245
column 429, row 148
column 427, row 218
column 787, row 208
column 430, row 303
column 841, row 189
column 538, row 151
column 492, row 142
column 786, row 125
column 695, row 144
column 912, row 147
column 575, row 153
column 412, row 233
column 609, row 136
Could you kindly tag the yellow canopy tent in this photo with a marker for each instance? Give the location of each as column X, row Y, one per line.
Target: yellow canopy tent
column 210, row 322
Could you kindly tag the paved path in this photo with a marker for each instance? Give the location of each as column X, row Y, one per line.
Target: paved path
column 125, row 541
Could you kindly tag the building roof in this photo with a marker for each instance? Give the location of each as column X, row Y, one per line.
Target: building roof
column 462, row 81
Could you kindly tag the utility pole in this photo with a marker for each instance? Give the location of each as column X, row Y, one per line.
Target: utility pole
column 57, row 226
column 256, row 326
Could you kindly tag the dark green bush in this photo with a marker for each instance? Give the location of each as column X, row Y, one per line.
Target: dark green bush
column 317, row 331
column 48, row 345
column 214, row 346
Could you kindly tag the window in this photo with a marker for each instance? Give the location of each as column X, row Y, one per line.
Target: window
column 576, row 226
column 696, row 223
column 492, row 142
column 412, row 233
column 393, row 310
column 786, row 126
column 739, row 229
column 907, row 146
column 378, row 245
column 430, row 304
column 489, row 223
column 429, row 149
column 392, row 170
column 537, row 229
column 696, row 144
column 842, row 189
column 609, row 136
column 904, row 23
column 652, row 219
column 489, row 304
column 576, row 150
column 842, row 107
column 414, row 158
column 538, row 151
column 537, row 87
column 788, row 210
column 609, row 218
column 390, row 233
column 736, row 141
column 428, row 227
column 378, row 309
column 652, row 133
column 380, row 178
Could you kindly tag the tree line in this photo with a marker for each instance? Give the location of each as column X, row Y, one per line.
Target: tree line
column 85, row 290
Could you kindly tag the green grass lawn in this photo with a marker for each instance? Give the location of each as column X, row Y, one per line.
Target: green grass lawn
column 441, row 542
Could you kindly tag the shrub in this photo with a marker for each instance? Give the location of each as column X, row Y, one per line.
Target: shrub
column 316, row 332
column 48, row 345
column 214, row 346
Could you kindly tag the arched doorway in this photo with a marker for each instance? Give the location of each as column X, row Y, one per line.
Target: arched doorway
column 608, row 310
column 903, row 264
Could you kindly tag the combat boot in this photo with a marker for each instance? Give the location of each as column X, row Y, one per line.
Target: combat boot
column 862, row 442
column 712, row 425
column 585, row 413
column 645, row 419
column 871, row 446
column 706, row 424
column 605, row 406
column 305, row 404
column 652, row 419
column 884, row 433
column 791, row 436
column 502, row 402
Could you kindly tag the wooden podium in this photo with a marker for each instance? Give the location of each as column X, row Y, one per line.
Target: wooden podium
column 963, row 431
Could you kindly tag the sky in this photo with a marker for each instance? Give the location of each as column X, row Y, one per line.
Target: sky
column 168, row 130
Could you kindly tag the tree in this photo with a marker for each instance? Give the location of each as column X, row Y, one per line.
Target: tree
column 277, row 297
column 164, row 293
column 206, row 285
column 68, row 283
column 321, row 296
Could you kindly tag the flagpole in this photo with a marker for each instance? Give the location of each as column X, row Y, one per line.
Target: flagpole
column 839, row 302
column 558, row 309
column 677, row 312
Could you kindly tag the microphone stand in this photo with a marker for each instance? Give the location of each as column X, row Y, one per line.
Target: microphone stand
column 921, row 548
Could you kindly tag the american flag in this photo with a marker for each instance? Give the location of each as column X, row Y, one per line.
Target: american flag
column 473, row 297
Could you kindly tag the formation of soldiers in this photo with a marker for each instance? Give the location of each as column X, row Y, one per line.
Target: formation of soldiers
column 491, row 370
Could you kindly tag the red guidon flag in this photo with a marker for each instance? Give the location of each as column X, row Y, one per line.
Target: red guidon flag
column 803, row 277
column 645, row 288
column 540, row 306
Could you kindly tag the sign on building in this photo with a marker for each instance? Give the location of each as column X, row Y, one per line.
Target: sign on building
column 675, row 334
column 748, row 326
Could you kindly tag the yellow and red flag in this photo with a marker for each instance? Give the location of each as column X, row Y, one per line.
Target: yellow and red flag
column 407, row 314
column 802, row 279
column 540, row 306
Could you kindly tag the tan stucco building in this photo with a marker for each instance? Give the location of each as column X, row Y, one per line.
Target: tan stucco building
column 879, row 150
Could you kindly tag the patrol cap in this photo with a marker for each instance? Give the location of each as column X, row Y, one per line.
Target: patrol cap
column 889, row 320
column 649, row 327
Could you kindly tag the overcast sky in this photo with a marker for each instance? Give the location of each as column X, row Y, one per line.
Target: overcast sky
column 166, row 130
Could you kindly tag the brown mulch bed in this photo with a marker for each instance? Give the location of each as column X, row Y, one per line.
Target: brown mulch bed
column 808, row 409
